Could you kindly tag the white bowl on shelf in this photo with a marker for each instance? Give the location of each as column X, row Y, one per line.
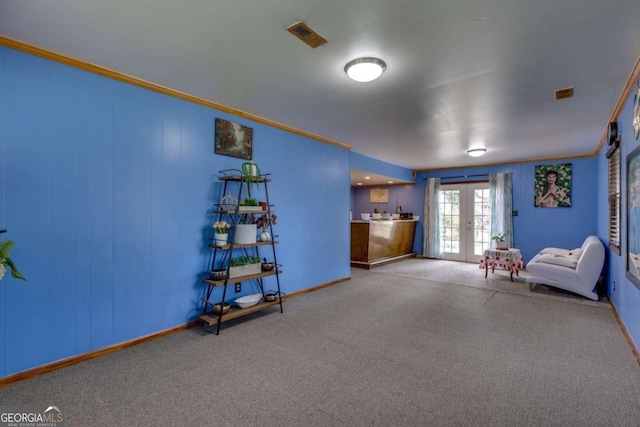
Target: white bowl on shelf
column 248, row 300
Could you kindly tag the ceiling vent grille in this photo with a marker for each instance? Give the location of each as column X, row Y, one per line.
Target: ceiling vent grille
column 306, row 34
column 564, row 93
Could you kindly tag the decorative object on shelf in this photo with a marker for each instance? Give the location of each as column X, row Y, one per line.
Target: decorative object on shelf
column 5, row 261
column 218, row 274
column 270, row 296
column 553, row 186
column 501, row 241
column 221, row 238
column 376, row 213
column 365, row 216
column 386, row 215
column 379, row 195
column 244, row 265
column 221, row 307
column 248, row 300
column 245, row 234
column 228, row 203
column 250, row 174
column 263, row 222
column 233, row 139
column 636, row 113
column 221, row 235
column 267, row 266
column 265, row 236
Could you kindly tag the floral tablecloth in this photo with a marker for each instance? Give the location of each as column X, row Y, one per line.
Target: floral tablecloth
column 506, row 259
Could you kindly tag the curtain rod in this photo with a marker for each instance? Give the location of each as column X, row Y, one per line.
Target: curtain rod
column 462, row 176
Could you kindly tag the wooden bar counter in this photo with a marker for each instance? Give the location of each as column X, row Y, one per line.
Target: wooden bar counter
column 380, row 242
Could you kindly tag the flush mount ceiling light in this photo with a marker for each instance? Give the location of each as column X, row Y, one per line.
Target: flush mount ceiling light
column 365, row 69
column 476, row 152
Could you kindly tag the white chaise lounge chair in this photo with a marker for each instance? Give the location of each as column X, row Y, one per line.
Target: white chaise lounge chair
column 574, row 270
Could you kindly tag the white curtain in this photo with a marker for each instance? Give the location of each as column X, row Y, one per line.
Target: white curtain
column 431, row 223
column 500, row 194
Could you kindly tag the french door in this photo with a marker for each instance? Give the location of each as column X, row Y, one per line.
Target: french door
column 464, row 221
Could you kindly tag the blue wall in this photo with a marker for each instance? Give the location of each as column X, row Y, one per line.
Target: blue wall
column 625, row 297
column 534, row 228
column 107, row 190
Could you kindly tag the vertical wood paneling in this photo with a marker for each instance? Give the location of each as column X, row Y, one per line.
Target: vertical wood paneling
column 95, row 96
column 83, row 147
column 157, row 285
column 196, row 174
column 132, row 120
column 109, row 191
column 138, row 164
column 61, row 144
column 171, row 289
column 27, row 304
column 120, row 212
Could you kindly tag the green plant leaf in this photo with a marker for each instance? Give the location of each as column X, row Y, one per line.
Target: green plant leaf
column 14, row 271
column 5, row 248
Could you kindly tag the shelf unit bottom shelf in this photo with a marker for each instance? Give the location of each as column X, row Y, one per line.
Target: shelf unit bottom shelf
column 235, row 312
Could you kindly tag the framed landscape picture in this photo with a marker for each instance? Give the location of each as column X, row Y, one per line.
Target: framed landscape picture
column 233, row 139
column 552, row 186
column 379, row 195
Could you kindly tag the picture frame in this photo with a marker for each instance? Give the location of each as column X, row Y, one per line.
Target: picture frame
column 552, row 186
column 379, row 195
column 632, row 270
column 233, row 139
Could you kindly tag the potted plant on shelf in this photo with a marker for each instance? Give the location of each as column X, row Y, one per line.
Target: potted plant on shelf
column 250, row 173
column 221, row 232
column 501, row 241
column 376, row 213
column 396, row 215
column 244, row 265
column 249, row 204
column 245, row 231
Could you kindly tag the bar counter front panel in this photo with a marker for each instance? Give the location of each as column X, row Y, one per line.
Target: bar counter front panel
column 379, row 242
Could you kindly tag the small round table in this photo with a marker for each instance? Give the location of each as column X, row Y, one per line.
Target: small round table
column 505, row 259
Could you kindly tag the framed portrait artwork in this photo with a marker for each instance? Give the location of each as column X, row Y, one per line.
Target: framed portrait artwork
column 233, row 139
column 633, row 217
column 552, row 186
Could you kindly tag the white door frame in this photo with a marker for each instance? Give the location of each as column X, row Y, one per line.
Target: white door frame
column 465, row 217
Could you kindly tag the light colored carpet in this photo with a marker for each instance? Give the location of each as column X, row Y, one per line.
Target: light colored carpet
column 382, row 349
column 469, row 274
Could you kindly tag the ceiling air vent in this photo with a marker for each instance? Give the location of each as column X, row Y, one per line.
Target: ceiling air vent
column 564, row 93
column 306, row 34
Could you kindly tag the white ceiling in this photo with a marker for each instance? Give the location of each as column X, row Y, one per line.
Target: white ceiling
column 460, row 73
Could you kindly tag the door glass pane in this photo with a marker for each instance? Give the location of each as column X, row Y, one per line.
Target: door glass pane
column 481, row 215
column 449, row 221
